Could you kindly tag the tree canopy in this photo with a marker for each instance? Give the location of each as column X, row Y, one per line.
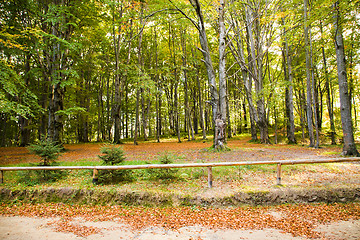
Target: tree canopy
column 103, row 70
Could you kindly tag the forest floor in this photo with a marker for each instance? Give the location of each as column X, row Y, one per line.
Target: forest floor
column 242, row 150
column 290, row 221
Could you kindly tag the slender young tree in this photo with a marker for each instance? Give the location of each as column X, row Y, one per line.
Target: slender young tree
column 289, row 99
column 309, row 109
column 329, row 101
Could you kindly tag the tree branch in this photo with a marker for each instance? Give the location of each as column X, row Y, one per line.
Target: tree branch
column 186, row 16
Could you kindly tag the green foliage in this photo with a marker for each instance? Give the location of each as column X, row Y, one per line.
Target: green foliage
column 48, row 150
column 113, row 156
column 164, row 173
column 71, row 111
column 32, row 178
column 12, row 88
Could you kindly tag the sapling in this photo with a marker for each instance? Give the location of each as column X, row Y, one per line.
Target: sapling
column 113, row 155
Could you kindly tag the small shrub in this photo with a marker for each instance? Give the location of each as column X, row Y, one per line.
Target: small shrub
column 113, row 156
column 164, row 173
column 48, row 151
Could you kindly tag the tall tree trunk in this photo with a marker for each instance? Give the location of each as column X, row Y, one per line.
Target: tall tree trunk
column 201, row 111
column 126, row 82
column 345, row 110
column 100, row 110
column 190, row 129
column 140, row 67
column 108, row 111
column 214, row 95
column 158, row 91
column 328, row 95
column 177, row 120
column 276, row 125
column 222, row 78
column 228, row 119
column 143, row 114
column 3, row 129
column 24, row 121
column 314, row 94
column 137, row 116
column 289, row 102
column 56, row 96
column 309, row 109
column 117, row 98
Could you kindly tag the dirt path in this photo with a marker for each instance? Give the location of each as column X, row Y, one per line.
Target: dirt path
column 61, row 221
column 13, row 228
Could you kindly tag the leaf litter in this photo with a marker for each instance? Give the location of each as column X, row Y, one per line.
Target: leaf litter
column 298, row 220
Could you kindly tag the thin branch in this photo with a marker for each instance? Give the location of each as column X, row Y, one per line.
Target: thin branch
column 185, row 15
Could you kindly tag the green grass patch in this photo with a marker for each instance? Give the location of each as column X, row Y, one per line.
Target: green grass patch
column 330, row 153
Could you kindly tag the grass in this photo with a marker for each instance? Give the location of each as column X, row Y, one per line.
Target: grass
column 193, row 181
column 190, row 181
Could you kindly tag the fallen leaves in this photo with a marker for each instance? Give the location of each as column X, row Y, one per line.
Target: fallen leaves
column 77, row 229
column 298, row 220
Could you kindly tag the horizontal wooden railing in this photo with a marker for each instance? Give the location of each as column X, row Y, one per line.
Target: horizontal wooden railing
column 209, row 166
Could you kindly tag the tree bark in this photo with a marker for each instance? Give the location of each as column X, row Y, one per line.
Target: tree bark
column 289, row 98
column 346, row 121
column 201, row 111
column 314, row 95
column 158, row 91
column 117, row 99
column 190, row 129
column 222, row 67
column 140, row 67
column 328, row 96
column 214, row 95
column 25, row 121
column 309, row 109
column 136, row 117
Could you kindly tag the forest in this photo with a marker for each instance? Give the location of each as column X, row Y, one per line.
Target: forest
column 114, row 70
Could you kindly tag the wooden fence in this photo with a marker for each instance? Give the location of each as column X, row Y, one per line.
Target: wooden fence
column 209, row 166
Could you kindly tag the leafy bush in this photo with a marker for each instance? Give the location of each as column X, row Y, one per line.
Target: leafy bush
column 48, row 151
column 164, row 173
column 113, row 156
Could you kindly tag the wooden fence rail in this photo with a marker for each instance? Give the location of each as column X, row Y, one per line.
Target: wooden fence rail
column 209, row 166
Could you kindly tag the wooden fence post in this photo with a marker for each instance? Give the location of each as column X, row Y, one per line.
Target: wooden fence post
column 95, row 178
column 210, row 177
column 278, row 179
column 1, row 176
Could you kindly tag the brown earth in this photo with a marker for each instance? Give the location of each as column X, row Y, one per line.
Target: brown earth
column 242, row 150
column 56, row 221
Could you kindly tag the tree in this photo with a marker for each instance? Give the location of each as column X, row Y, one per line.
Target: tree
column 309, row 83
column 289, row 102
column 345, row 109
column 217, row 96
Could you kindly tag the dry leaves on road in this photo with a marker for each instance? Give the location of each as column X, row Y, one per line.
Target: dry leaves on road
column 299, row 220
